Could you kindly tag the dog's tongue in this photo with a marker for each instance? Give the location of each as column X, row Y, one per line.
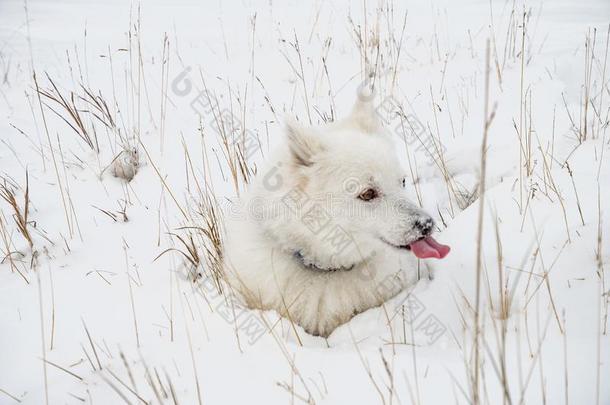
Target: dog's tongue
column 428, row 247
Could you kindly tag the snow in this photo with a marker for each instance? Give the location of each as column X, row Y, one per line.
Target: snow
column 150, row 324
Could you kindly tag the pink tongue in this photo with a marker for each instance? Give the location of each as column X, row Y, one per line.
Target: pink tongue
column 428, row 247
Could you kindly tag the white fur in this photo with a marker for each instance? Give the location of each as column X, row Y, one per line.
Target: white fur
column 332, row 165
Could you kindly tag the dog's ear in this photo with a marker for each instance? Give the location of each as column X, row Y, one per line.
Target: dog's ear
column 363, row 115
column 303, row 143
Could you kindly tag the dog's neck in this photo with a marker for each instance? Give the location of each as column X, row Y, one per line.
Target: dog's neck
column 311, row 265
column 306, row 261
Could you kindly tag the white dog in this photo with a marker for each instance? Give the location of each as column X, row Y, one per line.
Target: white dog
column 327, row 231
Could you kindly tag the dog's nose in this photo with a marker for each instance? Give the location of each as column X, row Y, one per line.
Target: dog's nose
column 425, row 225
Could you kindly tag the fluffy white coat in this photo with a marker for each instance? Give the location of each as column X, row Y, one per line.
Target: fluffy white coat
column 307, row 241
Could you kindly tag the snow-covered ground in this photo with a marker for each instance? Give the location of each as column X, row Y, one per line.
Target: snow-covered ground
column 101, row 308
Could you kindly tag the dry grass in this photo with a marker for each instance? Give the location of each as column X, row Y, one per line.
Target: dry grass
column 20, row 211
column 67, row 110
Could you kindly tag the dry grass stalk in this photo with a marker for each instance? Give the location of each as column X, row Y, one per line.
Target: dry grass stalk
column 522, row 149
column 555, row 189
column 232, row 135
column 162, row 180
column 193, row 361
column 99, row 364
column 115, row 389
column 9, row 251
column 211, row 230
column 99, row 107
column 71, row 113
column 601, row 122
column 131, row 390
column 488, row 120
column 20, row 216
column 131, row 299
column 14, row 398
column 589, row 58
column 42, row 340
column 603, row 295
column 582, row 219
column 65, row 370
column 190, row 253
column 55, row 163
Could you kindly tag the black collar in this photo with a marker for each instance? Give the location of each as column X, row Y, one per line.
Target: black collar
column 298, row 256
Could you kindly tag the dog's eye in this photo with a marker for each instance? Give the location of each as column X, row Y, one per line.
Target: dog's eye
column 404, row 182
column 368, row 194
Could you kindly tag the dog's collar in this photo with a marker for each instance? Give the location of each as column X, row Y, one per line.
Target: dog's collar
column 298, row 257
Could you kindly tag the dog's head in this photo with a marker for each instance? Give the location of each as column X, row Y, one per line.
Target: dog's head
column 338, row 194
